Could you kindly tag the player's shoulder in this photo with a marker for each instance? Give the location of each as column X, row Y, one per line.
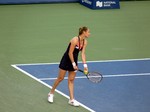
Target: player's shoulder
column 74, row 39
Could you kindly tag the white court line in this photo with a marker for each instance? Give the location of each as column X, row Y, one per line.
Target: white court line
column 87, row 61
column 15, row 66
column 127, row 75
column 105, row 76
column 81, row 77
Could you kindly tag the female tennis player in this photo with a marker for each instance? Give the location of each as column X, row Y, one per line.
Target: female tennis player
column 69, row 64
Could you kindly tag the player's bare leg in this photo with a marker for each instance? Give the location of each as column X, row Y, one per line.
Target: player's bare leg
column 71, row 78
column 60, row 77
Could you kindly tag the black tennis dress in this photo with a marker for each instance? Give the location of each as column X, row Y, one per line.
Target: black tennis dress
column 65, row 62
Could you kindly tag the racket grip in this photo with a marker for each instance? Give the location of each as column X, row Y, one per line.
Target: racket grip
column 80, row 70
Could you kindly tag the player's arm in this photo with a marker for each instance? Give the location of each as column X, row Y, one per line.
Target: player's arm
column 83, row 56
column 72, row 46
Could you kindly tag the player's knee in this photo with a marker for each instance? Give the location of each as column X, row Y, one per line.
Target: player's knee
column 71, row 79
column 60, row 79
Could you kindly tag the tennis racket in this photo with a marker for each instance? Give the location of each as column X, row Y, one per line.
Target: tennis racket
column 94, row 77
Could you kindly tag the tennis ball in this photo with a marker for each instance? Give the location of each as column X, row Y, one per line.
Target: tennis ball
column 85, row 72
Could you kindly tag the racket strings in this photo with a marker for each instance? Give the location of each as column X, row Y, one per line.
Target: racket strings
column 95, row 77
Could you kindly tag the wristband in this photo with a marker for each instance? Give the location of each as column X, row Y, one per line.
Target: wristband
column 85, row 65
column 73, row 64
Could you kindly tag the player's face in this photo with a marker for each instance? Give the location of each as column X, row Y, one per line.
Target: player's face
column 87, row 33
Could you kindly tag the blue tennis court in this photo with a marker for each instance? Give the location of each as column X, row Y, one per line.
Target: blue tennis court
column 124, row 88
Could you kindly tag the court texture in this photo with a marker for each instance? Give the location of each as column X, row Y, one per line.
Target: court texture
column 34, row 37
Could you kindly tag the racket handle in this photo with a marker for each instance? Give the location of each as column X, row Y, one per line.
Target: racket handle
column 80, row 70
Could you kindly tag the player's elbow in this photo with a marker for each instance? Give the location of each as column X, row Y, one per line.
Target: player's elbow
column 70, row 54
column 83, row 55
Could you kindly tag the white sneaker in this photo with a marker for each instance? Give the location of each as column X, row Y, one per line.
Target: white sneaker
column 50, row 98
column 74, row 103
